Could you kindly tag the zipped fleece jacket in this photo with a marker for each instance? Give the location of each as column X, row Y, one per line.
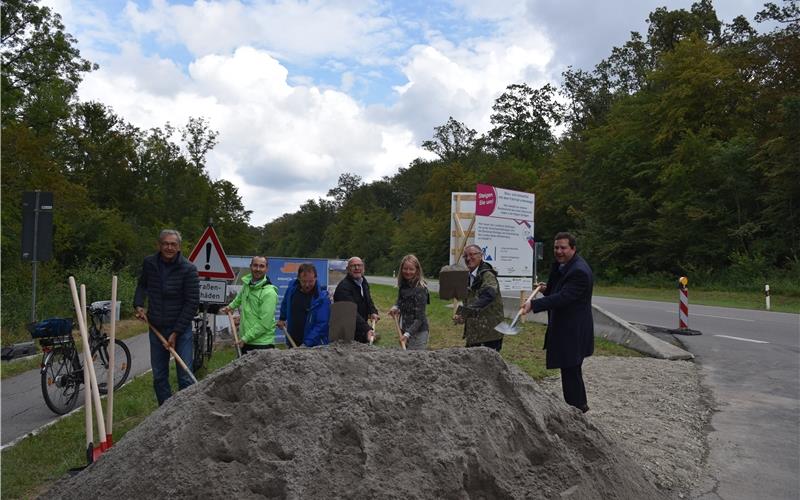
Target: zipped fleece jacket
column 172, row 292
column 315, row 331
column 256, row 304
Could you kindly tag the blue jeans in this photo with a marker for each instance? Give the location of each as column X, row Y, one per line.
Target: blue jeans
column 159, row 360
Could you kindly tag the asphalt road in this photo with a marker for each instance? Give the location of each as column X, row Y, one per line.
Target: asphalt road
column 751, row 362
column 23, row 406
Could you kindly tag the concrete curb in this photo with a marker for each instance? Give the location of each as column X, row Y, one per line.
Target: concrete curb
column 615, row 329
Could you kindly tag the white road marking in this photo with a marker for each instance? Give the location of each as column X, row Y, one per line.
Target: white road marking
column 740, row 338
column 709, row 315
column 722, row 317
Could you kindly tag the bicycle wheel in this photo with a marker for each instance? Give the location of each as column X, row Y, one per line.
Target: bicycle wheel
column 122, row 364
column 61, row 383
column 199, row 338
column 209, row 342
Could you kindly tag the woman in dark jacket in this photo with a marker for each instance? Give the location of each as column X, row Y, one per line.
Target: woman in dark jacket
column 412, row 299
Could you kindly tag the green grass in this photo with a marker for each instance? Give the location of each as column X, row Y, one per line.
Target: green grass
column 34, row 463
column 125, row 329
column 524, row 350
column 743, row 300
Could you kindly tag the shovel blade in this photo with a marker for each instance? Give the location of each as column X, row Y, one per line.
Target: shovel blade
column 507, row 329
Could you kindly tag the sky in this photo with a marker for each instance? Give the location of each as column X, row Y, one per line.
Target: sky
column 303, row 91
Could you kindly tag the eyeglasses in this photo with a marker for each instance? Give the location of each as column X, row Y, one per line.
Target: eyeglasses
column 356, row 266
column 170, row 244
column 473, row 254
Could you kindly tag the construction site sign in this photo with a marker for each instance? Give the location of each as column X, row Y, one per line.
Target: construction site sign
column 504, row 231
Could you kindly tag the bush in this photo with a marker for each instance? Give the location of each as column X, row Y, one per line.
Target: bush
column 53, row 296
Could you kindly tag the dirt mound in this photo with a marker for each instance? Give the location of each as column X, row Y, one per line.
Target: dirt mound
column 357, row 422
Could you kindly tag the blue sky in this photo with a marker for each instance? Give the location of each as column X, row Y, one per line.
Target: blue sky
column 302, row 91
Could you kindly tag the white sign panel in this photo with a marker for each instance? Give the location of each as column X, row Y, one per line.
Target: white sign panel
column 213, row 292
column 504, row 230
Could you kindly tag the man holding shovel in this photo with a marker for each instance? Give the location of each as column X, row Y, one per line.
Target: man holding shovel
column 256, row 302
column 305, row 310
column 570, row 327
column 354, row 288
column 171, row 286
column 483, row 308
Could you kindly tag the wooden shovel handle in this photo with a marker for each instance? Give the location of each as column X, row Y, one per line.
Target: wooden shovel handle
column 168, row 347
column 234, row 332
column 399, row 333
column 530, row 297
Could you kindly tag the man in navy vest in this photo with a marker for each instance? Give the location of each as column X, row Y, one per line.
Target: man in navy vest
column 570, row 327
column 170, row 284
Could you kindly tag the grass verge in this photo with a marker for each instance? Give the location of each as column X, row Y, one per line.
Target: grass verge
column 742, row 300
column 31, row 466
column 524, row 350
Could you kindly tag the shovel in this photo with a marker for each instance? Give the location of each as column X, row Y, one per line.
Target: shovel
column 374, row 334
column 513, row 329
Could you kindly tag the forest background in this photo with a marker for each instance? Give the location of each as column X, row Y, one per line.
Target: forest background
column 677, row 154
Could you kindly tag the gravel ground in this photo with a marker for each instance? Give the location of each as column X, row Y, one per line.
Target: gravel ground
column 656, row 410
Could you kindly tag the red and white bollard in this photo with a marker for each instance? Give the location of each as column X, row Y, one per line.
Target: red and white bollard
column 683, row 307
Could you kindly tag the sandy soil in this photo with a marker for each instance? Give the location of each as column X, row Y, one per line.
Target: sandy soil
column 354, row 422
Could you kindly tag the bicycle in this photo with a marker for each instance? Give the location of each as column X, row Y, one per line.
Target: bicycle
column 203, row 341
column 61, row 367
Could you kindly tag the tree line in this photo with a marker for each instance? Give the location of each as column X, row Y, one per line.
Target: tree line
column 678, row 153
column 114, row 185
column 675, row 154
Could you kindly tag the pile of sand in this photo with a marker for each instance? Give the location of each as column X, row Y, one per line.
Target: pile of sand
column 358, row 422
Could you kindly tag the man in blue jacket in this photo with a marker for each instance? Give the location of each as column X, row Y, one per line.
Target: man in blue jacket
column 170, row 284
column 570, row 327
column 305, row 309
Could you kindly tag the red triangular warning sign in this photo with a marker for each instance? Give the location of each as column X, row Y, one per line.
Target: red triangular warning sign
column 209, row 257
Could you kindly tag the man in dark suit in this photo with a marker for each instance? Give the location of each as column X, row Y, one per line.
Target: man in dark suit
column 570, row 327
column 354, row 288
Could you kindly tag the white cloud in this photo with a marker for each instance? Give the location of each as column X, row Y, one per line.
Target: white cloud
column 290, row 29
column 283, row 137
column 276, row 140
column 464, row 80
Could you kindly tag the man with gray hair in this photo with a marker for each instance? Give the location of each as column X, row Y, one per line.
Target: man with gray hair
column 354, row 288
column 170, row 284
column 483, row 308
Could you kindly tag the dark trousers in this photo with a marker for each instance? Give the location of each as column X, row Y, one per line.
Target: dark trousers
column 572, row 385
column 254, row 347
column 492, row 344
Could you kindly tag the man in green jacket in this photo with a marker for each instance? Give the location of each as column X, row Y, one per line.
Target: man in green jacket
column 256, row 302
column 483, row 308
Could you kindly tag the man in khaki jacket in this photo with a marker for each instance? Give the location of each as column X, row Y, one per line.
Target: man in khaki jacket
column 483, row 308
